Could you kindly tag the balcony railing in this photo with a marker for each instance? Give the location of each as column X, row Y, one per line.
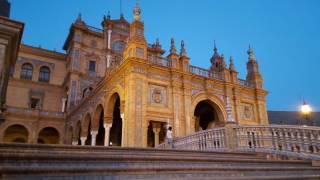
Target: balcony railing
column 35, row 112
column 160, row 61
column 94, row 29
column 245, row 83
column 205, row 73
column 290, row 141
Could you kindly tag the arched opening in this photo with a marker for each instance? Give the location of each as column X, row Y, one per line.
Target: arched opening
column 116, row 129
column 207, row 116
column 101, row 130
column 48, row 135
column 150, row 139
column 78, row 132
column 16, row 134
column 88, row 140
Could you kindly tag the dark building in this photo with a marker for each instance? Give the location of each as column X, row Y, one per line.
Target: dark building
column 293, row 118
column 4, row 8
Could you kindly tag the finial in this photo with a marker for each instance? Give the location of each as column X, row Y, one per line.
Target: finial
column 250, row 53
column 157, row 41
column 108, row 16
column 231, row 65
column 215, row 47
column 183, row 51
column 137, row 12
column 79, row 18
column 173, row 49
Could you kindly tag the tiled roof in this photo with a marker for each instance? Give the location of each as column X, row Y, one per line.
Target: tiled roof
column 291, row 117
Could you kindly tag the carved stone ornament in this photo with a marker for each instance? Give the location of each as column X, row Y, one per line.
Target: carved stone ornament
column 156, row 96
column 247, row 112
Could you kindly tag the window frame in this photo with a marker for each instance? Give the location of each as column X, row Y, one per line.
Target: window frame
column 26, row 72
column 44, row 76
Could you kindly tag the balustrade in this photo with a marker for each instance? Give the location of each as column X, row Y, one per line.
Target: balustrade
column 294, row 141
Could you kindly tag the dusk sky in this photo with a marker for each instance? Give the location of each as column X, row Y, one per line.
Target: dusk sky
column 285, row 35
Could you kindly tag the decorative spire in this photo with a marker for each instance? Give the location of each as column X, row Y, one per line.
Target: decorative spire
column 224, row 65
column 250, row 53
column 173, row 49
column 79, row 18
column 183, row 51
column 137, row 12
column 215, row 47
column 231, row 65
column 108, row 16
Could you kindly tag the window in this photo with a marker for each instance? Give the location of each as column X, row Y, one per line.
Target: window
column 44, row 75
column 26, row 71
column 92, row 66
column 35, row 103
column 140, row 52
column 118, row 46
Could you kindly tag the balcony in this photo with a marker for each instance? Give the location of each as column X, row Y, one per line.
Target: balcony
column 35, row 112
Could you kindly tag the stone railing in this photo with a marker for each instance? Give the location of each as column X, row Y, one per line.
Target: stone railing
column 35, row 112
column 243, row 82
column 213, row 139
column 160, row 61
column 205, row 73
column 290, row 141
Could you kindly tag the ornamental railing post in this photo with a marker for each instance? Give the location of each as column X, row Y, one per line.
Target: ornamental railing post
column 229, row 137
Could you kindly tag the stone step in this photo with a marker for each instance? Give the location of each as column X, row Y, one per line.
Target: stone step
column 18, row 161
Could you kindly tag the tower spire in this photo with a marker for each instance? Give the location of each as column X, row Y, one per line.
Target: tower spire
column 137, row 12
column 121, row 12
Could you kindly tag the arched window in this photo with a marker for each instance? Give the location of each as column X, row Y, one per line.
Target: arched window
column 26, row 71
column 44, row 75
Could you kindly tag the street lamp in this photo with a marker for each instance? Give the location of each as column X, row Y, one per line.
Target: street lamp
column 306, row 111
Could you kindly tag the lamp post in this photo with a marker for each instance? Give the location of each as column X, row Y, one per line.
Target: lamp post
column 306, row 111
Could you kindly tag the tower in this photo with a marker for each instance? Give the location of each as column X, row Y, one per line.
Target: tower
column 253, row 74
column 4, row 8
column 217, row 61
column 137, row 44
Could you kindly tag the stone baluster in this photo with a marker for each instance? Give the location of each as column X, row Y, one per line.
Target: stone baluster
column 74, row 142
column 93, row 137
column 262, row 135
column 300, row 141
column 286, row 139
column 83, row 140
column 238, row 137
column 275, row 139
column 305, row 142
column 222, row 138
column 312, row 144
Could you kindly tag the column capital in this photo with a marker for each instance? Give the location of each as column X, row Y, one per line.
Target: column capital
column 94, row 133
column 107, row 125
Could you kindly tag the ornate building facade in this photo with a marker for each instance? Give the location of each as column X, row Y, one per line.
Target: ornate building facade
column 112, row 87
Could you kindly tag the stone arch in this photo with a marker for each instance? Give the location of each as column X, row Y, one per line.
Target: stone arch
column 98, row 124
column 16, row 133
column 86, row 128
column 113, row 116
column 77, row 132
column 210, row 101
column 48, row 135
column 69, row 134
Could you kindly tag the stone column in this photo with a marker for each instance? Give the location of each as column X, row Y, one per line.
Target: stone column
column 109, row 38
column 64, row 100
column 107, row 127
column 156, row 131
column 122, row 130
column 74, row 142
column 93, row 137
column 83, row 140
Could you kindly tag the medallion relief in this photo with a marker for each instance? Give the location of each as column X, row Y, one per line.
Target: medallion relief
column 157, row 95
column 247, row 111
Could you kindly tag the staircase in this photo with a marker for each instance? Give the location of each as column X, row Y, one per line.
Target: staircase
column 23, row 161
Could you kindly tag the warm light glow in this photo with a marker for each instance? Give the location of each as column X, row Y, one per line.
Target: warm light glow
column 306, row 109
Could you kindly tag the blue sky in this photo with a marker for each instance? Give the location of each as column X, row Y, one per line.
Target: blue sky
column 285, row 35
